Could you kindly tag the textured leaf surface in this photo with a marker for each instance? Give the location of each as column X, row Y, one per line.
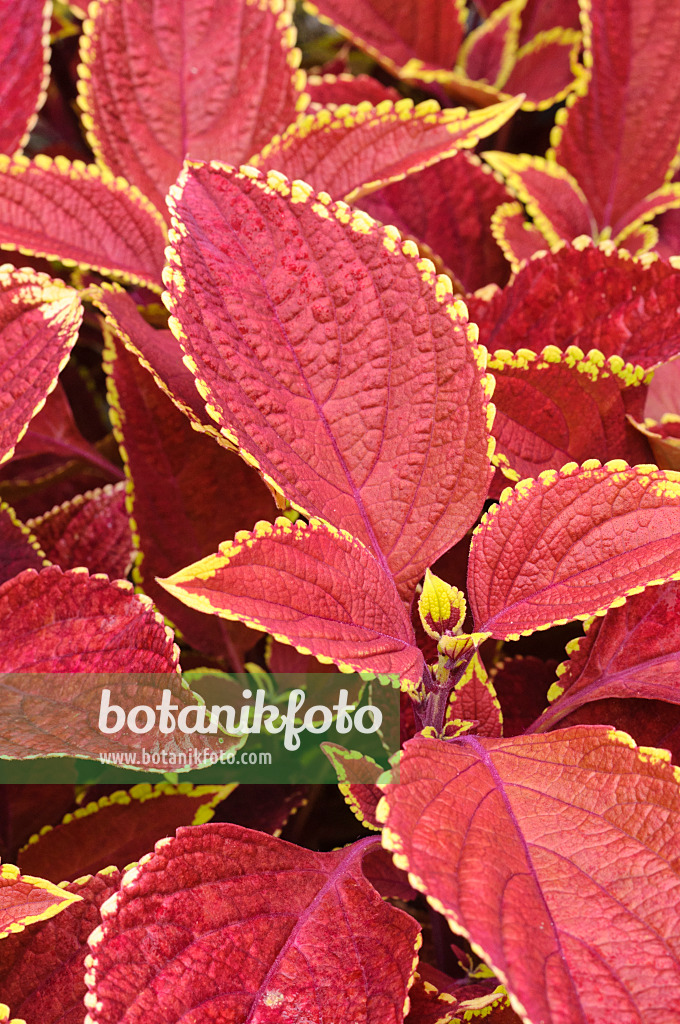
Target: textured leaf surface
column 78, row 626
column 24, row 63
column 448, row 209
column 352, row 151
column 516, row 237
column 71, row 622
column 91, row 530
column 336, row 359
column 334, row 90
column 19, row 548
column 544, row 68
column 571, row 543
column 42, row 970
column 551, row 195
column 631, row 70
column 397, row 33
column 634, row 651
column 357, row 776
column 160, row 85
column 187, row 494
column 266, row 808
column 39, row 321
column 117, row 829
column 512, row 840
column 564, row 407
column 313, row 586
column 280, row 927
column 80, row 215
column 24, row 900
column 586, row 297
column 474, row 700
column 157, row 350
column 521, row 684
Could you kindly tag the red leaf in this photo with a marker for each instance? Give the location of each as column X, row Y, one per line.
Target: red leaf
column 517, row 237
column 19, row 548
column 53, row 431
column 552, row 196
column 397, row 33
column 310, row 289
column 25, row 900
column 285, row 930
column 43, row 968
column 448, row 209
column 546, row 68
column 542, row 15
column 357, row 776
column 24, row 68
column 213, row 81
column 353, row 151
column 21, row 806
column 428, row 1005
column 570, row 544
column 474, row 700
column 186, row 494
column 312, row 586
column 334, row 90
column 634, row 651
column 90, row 218
column 71, row 622
column 564, row 407
column 631, row 69
column 77, row 626
column 91, row 530
column 512, row 839
column 589, row 297
column 157, row 350
column 489, row 50
column 39, row 322
column 118, row 829
column 265, row 808
column 521, row 684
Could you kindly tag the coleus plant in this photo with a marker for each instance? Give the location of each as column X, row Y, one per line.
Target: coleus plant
column 316, row 360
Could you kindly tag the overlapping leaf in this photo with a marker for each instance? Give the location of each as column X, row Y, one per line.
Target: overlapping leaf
column 39, row 321
column 474, row 699
column 353, row 151
column 334, row 90
column 19, row 548
column 631, row 67
column 84, row 629
column 448, row 209
column 313, row 586
column 592, row 180
column 512, row 840
column 397, row 34
column 560, row 407
column 91, row 530
column 117, row 829
column 80, row 215
column 42, row 970
column 522, row 684
column 24, row 900
column 314, row 933
column 22, row 805
column 157, row 350
column 634, row 651
column 24, row 68
column 187, row 493
column 357, row 776
column 335, row 359
column 589, row 297
column 157, row 88
column 570, row 544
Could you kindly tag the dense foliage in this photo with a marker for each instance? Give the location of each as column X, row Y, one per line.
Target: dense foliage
column 349, row 333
